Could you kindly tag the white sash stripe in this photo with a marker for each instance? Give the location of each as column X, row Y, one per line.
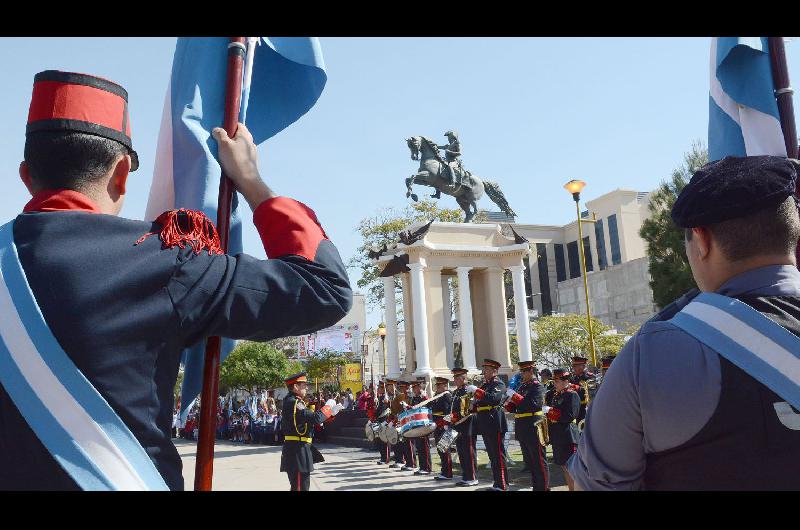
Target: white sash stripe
column 86, row 433
column 749, row 338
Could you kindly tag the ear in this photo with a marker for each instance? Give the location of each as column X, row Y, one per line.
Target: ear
column 702, row 235
column 119, row 177
column 25, row 177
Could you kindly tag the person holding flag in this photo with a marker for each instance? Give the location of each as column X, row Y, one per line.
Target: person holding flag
column 97, row 309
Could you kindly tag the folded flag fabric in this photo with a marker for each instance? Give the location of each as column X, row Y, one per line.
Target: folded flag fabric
column 743, row 113
column 283, row 80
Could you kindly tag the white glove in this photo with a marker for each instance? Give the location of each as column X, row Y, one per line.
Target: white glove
column 510, row 392
column 404, row 404
column 448, row 418
column 471, row 389
column 545, row 409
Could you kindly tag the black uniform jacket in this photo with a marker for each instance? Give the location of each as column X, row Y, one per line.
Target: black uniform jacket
column 124, row 312
column 565, row 430
column 492, row 420
column 462, row 401
column 532, row 400
column 441, row 406
column 299, row 421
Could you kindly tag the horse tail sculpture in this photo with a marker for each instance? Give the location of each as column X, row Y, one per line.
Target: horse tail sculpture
column 494, row 193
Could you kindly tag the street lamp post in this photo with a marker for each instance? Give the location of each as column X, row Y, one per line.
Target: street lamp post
column 382, row 334
column 575, row 187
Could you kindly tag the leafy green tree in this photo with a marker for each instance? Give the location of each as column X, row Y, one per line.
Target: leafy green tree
column 556, row 339
column 384, row 228
column 255, row 366
column 669, row 268
column 324, row 365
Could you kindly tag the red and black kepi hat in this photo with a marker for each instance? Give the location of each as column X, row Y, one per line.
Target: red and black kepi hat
column 66, row 101
column 491, row 362
column 297, row 378
column 525, row 365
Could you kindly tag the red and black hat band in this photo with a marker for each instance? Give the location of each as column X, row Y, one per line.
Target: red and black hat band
column 82, row 79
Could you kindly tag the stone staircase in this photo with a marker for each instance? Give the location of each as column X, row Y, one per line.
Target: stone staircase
column 347, row 429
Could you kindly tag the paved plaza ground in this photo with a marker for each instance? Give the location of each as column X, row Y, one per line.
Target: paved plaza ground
column 240, row 467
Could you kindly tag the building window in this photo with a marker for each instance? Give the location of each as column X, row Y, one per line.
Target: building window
column 587, row 253
column 600, row 237
column 574, row 260
column 561, row 267
column 544, row 280
column 616, row 256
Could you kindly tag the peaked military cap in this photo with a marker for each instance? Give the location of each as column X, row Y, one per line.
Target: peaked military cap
column 606, row 361
column 546, row 371
column 459, row 371
column 525, row 365
column 442, row 380
column 578, row 359
column 491, row 362
column 734, row 187
column 302, row 377
column 66, row 101
column 561, row 373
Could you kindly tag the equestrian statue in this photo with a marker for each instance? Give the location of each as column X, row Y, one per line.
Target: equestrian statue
column 448, row 175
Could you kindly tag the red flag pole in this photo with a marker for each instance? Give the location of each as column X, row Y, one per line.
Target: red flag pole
column 204, row 466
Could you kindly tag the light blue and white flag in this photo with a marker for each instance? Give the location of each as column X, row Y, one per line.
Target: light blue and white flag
column 283, row 78
column 743, row 118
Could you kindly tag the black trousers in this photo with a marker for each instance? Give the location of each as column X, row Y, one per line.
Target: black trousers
column 399, row 453
column 383, row 450
column 299, row 481
column 494, row 446
column 445, row 459
column 534, row 456
column 408, row 452
column 423, row 446
column 467, row 455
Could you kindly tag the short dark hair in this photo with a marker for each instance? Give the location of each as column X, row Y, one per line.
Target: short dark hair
column 770, row 231
column 69, row 160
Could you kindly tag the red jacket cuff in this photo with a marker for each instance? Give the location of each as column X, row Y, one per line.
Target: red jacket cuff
column 288, row 227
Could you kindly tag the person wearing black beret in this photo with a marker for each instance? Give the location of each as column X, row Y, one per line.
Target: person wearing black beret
column 298, row 455
column 705, row 396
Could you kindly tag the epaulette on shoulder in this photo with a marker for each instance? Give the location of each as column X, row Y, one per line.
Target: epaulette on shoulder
column 179, row 227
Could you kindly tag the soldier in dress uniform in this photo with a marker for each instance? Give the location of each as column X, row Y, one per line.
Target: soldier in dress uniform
column 422, row 444
column 467, row 439
column 701, row 397
column 526, row 403
column 562, row 415
column 391, row 420
column 491, row 420
column 298, row 455
column 134, row 302
column 441, row 408
column 379, row 410
column 581, row 378
column 452, row 155
column 401, row 403
column 549, row 389
column 605, row 363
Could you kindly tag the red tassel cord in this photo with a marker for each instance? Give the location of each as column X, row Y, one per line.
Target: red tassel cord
column 179, row 227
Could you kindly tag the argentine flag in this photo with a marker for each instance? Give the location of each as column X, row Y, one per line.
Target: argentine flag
column 743, row 117
column 283, row 78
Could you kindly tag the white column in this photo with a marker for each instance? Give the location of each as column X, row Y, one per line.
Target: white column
column 448, row 321
column 420, row 320
column 465, row 320
column 390, row 319
column 521, row 313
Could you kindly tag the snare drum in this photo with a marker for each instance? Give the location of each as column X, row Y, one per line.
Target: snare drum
column 416, row 423
column 372, row 430
column 392, row 434
column 447, row 440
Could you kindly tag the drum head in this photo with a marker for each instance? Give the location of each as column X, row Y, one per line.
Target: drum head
column 369, row 432
column 420, row 430
column 391, row 435
column 382, row 433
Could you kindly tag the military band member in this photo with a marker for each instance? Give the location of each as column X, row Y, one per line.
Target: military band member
column 562, row 415
column 581, row 377
column 606, row 364
column 377, row 416
column 397, row 448
column 441, row 408
column 422, row 444
column 299, row 455
column 526, row 404
column 491, row 420
column 467, row 439
column 400, row 404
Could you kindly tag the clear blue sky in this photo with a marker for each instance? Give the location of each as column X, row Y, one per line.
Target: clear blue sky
column 532, row 113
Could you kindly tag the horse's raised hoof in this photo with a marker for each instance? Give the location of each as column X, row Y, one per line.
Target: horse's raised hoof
column 408, row 194
column 414, row 197
column 436, row 195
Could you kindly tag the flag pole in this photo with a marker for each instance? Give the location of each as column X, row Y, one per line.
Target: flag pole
column 783, row 93
column 204, row 466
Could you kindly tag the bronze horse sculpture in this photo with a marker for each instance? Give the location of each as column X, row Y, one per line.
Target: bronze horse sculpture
column 467, row 188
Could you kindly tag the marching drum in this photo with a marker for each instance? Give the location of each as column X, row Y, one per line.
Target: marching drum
column 416, row 423
column 392, row 434
column 447, row 440
column 372, row 430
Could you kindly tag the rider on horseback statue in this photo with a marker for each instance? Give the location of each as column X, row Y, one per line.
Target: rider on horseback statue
column 452, row 152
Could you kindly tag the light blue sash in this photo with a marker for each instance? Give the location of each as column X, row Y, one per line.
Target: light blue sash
column 73, row 421
column 759, row 346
